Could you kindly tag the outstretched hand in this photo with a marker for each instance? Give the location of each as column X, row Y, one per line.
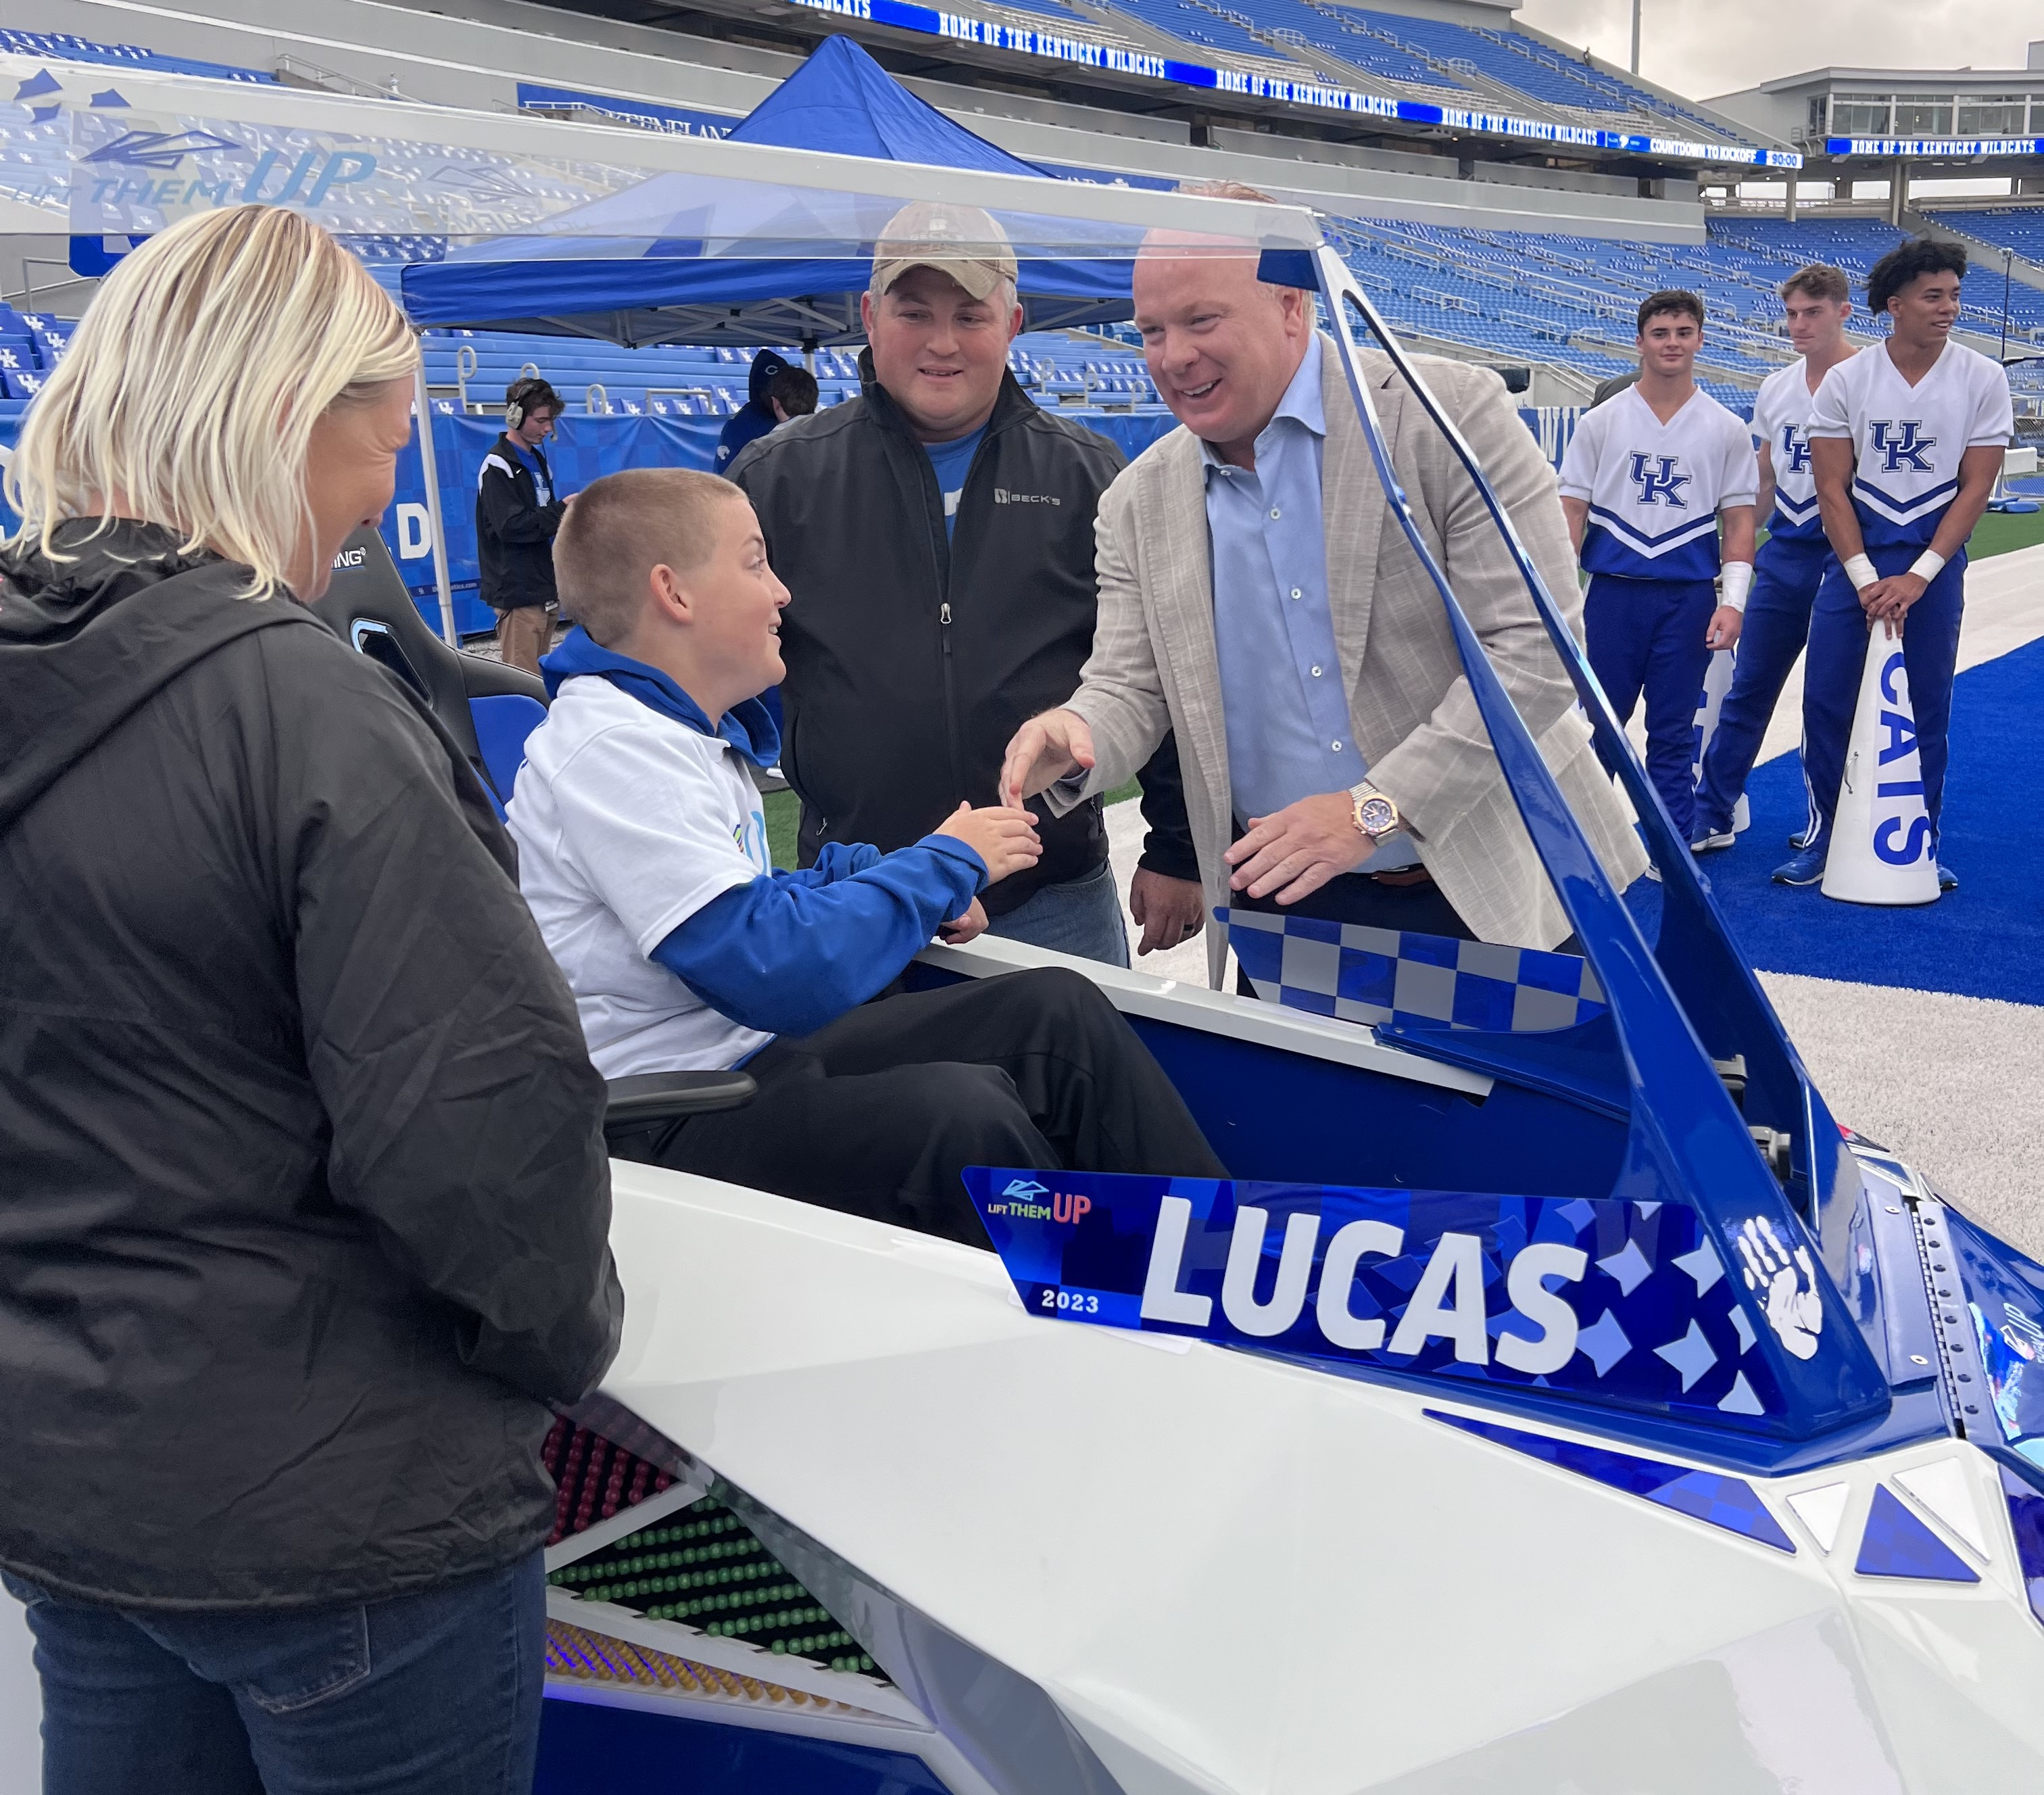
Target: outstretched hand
column 1045, row 749
column 1005, row 839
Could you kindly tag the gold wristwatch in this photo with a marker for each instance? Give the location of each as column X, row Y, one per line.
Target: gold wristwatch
column 1375, row 814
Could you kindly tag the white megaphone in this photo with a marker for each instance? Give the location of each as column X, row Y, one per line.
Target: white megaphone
column 1710, row 706
column 1881, row 849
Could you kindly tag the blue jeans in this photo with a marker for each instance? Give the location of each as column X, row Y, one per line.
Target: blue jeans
column 1082, row 917
column 437, row 1693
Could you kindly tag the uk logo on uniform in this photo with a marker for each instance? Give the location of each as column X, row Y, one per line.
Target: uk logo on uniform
column 1795, row 450
column 1900, row 445
column 1659, row 482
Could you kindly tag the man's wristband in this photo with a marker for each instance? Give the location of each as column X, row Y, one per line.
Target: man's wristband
column 1928, row 565
column 1861, row 571
column 1738, row 581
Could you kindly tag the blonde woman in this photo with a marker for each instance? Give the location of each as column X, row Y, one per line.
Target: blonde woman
column 303, row 1199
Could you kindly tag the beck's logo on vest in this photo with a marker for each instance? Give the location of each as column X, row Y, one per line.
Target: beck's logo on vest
column 1794, row 451
column 1658, row 483
column 1898, row 444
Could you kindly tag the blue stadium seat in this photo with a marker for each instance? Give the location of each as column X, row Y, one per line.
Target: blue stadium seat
column 61, row 46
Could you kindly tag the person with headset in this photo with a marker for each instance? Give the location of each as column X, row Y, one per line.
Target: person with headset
column 516, row 513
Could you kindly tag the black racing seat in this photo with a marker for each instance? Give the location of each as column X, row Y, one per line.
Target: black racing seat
column 490, row 709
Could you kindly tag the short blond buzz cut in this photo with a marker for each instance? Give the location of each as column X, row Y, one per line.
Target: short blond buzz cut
column 620, row 529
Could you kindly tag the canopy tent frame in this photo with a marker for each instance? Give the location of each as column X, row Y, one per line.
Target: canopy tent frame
column 1667, row 1042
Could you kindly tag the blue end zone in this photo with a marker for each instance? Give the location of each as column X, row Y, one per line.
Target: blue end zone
column 590, row 1748
column 1986, row 939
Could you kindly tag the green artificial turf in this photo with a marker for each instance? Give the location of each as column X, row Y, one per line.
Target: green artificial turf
column 2000, row 532
column 784, row 817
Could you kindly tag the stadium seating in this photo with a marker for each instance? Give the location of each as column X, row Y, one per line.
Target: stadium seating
column 1522, row 64
column 1571, row 301
column 1083, row 370
column 61, row 46
column 1208, row 30
column 1855, row 244
column 1313, row 29
column 2020, row 229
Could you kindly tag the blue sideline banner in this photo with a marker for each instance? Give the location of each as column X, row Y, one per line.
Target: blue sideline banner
column 582, row 449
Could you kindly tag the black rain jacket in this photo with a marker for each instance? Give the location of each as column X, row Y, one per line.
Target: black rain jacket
column 304, row 1202
column 514, row 532
column 912, row 659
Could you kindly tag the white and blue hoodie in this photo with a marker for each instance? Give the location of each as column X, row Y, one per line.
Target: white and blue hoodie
column 642, row 852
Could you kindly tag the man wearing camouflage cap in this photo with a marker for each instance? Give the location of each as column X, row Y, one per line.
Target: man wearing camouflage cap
column 936, row 535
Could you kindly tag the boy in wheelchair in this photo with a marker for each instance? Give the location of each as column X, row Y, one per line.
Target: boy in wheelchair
column 643, row 854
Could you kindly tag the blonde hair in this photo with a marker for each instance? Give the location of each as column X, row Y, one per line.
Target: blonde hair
column 191, row 387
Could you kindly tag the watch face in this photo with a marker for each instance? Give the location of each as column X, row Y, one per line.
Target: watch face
column 1377, row 816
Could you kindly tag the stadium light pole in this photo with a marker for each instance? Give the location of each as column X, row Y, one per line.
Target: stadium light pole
column 1635, row 36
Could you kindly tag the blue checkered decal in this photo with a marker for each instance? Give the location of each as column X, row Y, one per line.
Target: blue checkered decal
column 1371, row 975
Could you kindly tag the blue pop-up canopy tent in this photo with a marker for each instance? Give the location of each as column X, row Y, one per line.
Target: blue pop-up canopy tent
column 692, row 258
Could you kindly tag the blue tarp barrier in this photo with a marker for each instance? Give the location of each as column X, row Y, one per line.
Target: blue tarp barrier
column 581, row 450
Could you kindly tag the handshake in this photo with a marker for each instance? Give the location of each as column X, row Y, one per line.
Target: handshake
column 1046, row 749
column 1004, row 835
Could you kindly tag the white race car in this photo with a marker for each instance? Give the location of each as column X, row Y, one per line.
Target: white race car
column 1556, row 1399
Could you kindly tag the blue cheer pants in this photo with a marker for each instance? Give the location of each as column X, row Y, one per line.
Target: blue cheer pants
column 1646, row 637
column 1838, row 657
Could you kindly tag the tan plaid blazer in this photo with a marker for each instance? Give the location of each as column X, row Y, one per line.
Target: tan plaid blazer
column 1154, row 667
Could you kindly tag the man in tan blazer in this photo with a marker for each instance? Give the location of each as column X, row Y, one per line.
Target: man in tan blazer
column 1249, row 556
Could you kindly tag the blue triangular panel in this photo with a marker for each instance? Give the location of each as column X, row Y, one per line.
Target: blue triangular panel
column 1897, row 1544
column 1711, row 1497
column 2026, row 1517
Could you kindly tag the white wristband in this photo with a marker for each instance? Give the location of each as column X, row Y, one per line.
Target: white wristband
column 1927, row 566
column 1861, row 571
column 1738, row 582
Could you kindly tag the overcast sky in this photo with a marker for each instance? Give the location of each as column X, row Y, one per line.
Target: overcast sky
column 1700, row 51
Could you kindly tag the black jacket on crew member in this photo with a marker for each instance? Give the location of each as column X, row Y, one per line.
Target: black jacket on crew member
column 514, row 532
column 912, row 659
column 303, row 1195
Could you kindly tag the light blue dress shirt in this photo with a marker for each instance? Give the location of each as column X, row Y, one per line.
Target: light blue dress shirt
column 1282, row 694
